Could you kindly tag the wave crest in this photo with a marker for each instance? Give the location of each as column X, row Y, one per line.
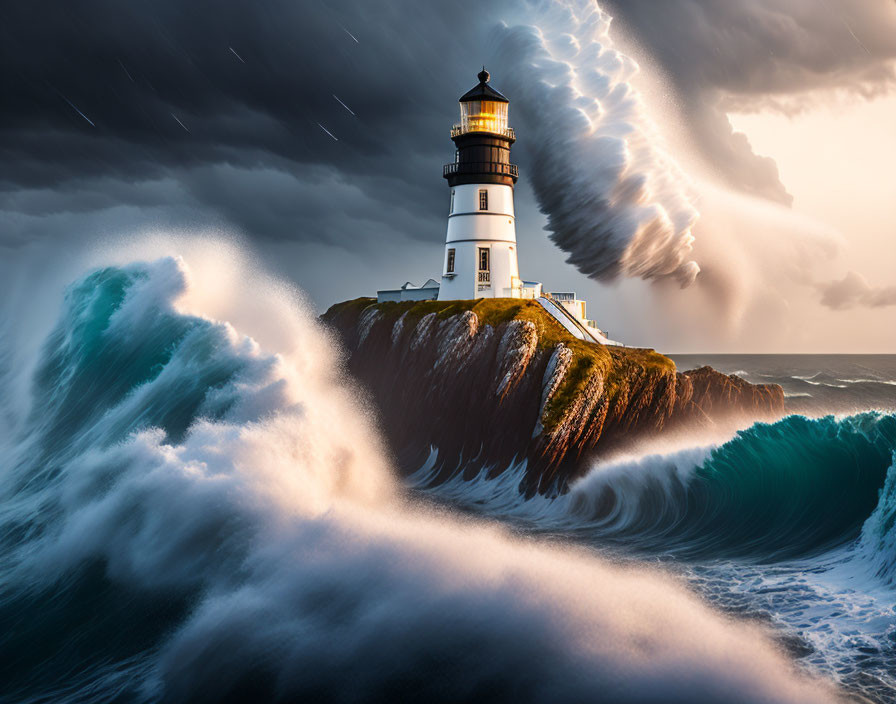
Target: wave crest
column 796, row 487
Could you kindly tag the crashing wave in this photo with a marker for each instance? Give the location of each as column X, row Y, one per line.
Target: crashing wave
column 878, row 543
column 792, row 488
column 189, row 517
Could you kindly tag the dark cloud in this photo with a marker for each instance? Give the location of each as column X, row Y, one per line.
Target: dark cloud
column 723, row 55
column 134, row 67
column 250, row 125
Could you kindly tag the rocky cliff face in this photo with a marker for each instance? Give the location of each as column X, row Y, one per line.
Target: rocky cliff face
column 500, row 381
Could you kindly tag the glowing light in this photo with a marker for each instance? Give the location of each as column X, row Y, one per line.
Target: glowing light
column 483, row 116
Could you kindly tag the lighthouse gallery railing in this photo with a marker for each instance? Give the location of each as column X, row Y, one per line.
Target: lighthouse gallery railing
column 484, row 167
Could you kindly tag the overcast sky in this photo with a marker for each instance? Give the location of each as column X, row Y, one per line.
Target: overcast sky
column 317, row 131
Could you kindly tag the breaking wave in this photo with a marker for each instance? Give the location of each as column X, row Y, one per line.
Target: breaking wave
column 186, row 515
column 878, row 543
column 793, row 488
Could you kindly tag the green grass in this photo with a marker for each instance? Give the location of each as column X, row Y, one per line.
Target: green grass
column 618, row 365
column 355, row 305
column 490, row 311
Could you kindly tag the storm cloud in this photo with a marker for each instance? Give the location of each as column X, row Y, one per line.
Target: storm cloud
column 725, row 56
column 221, row 109
column 615, row 201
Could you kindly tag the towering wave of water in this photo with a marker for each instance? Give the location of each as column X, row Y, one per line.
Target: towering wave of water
column 188, row 516
column 789, row 489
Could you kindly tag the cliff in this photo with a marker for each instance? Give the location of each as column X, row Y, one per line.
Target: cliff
column 501, row 381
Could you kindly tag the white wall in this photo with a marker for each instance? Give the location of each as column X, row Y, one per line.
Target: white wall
column 469, row 229
column 466, row 198
column 467, row 222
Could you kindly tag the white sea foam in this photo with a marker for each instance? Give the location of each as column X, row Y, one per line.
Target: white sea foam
column 316, row 576
column 878, row 541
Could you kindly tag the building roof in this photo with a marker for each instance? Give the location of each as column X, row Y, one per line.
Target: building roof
column 430, row 283
column 483, row 91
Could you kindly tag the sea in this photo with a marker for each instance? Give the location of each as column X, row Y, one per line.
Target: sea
column 788, row 523
column 196, row 504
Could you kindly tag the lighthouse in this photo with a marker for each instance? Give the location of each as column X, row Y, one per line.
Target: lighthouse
column 480, row 246
column 480, row 259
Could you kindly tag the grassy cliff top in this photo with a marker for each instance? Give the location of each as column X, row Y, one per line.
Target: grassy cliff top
column 616, row 364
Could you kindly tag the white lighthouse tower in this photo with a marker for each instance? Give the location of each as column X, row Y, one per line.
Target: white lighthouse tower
column 480, row 247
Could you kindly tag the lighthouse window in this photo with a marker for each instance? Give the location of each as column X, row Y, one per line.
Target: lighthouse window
column 483, row 199
column 449, row 267
column 451, row 207
column 483, row 259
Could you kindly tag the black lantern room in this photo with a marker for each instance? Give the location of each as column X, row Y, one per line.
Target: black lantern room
column 482, row 138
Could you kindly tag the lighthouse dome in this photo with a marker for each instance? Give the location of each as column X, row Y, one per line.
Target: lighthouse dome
column 483, row 109
column 483, row 91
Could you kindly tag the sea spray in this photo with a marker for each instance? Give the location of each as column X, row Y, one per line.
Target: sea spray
column 878, row 544
column 187, row 516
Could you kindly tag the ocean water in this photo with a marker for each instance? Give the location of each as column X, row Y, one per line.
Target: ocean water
column 791, row 523
column 196, row 505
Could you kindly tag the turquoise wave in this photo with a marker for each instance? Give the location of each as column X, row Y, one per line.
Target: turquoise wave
column 118, row 333
column 794, row 488
column 121, row 360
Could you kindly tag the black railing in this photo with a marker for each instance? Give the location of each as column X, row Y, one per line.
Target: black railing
column 481, row 167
